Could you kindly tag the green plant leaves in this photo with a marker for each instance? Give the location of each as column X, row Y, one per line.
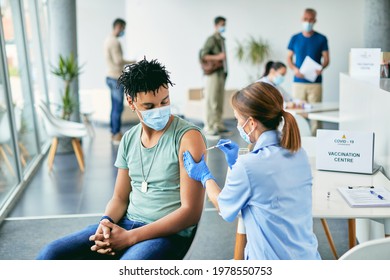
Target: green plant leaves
column 252, row 50
column 67, row 69
column 67, row 103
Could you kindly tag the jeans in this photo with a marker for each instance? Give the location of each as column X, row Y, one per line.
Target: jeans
column 76, row 246
column 117, row 94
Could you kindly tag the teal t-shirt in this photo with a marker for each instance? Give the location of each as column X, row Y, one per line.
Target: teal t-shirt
column 163, row 193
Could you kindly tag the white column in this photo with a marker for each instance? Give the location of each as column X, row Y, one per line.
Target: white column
column 377, row 24
column 63, row 40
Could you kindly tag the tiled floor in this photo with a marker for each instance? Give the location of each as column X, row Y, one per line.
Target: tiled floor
column 65, row 190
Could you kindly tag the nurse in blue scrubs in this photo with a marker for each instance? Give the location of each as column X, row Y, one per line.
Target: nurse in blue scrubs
column 271, row 185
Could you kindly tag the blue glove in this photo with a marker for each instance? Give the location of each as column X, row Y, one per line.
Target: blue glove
column 197, row 171
column 230, row 150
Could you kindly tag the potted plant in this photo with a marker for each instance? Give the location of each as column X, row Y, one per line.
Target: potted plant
column 67, row 69
column 253, row 51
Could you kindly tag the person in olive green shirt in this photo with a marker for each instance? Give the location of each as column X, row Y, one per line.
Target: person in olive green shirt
column 214, row 50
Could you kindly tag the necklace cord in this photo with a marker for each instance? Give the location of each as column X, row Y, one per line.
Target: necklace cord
column 154, row 155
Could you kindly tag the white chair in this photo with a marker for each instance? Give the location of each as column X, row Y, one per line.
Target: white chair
column 86, row 111
column 377, row 249
column 303, row 124
column 56, row 120
column 57, row 128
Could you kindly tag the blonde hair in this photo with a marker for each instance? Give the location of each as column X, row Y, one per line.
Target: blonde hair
column 264, row 103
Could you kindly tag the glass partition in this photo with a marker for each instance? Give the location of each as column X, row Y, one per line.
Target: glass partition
column 16, row 29
column 23, row 73
column 8, row 169
column 38, row 50
column 9, row 176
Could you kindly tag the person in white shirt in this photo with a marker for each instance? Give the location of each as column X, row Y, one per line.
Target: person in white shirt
column 114, row 59
column 274, row 74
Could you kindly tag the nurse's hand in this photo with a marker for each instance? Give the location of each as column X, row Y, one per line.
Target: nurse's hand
column 197, row 170
column 230, row 150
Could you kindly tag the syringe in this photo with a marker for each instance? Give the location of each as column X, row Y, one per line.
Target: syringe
column 222, row 144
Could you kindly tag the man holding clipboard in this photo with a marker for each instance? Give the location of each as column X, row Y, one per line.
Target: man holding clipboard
column 313, row 47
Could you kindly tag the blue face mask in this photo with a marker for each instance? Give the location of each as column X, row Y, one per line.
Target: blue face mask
column 278, row 79
column 121, row 33
column 243, row 133
column 307, row 26
column 221, row 29
column 156, row 118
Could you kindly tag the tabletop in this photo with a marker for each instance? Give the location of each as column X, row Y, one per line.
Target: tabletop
column 315, row 107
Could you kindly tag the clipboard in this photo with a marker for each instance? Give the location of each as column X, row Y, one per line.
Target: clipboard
column 365, row 196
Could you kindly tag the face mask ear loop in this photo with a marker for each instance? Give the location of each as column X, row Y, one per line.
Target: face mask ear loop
column 245, row 123
column 249, row 133
column 138, row 114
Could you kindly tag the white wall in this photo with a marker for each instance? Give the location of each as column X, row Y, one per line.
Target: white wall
column 173, row 31
column 94, row 23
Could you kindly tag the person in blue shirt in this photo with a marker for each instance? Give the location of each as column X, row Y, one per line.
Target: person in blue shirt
column 315, row 45
column 308, row 43
column 271, row 186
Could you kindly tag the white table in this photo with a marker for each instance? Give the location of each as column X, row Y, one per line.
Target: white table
column 315, row 107
column 327, row 116
column 322, row 111
column 335, row 206
column 332, row 206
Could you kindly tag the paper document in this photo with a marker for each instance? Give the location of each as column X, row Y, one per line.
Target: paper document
column 309, row 69
column 366, row 196
column 364, row 64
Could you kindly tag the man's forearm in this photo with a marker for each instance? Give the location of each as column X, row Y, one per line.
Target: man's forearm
column 213, row 192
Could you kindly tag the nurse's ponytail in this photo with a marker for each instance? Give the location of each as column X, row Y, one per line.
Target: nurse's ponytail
column 264, row 103
column 291, row 138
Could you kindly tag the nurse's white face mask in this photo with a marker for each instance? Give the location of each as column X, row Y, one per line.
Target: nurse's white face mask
column 243, row 134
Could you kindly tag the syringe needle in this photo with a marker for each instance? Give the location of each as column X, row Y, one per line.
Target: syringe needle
column 222, row 144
